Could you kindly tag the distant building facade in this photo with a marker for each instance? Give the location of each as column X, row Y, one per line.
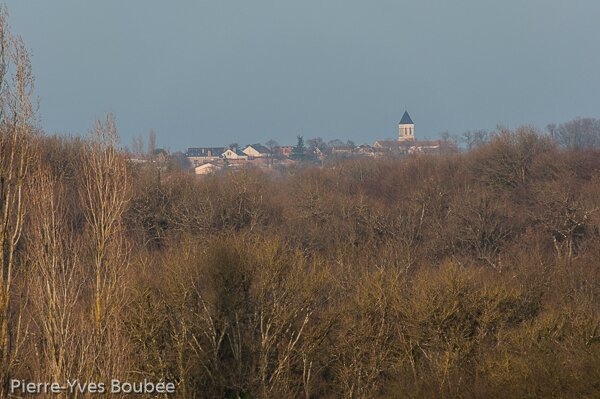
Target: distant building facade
column 284, row 151
column 201, row 155
column 207, row 160
column 234, row 154
column 256, row 151
column 207, row 169
column 407, row 144
column 406, row 128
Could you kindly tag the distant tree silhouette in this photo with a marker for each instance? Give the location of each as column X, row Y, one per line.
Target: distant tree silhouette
column 577, row 134
column 299, row 150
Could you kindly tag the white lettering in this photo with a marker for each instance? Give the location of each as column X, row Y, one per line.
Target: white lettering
column 74, row 387
column 15, row 384
column 170, row 387
column 71, row 384
column 56, row 388
column 148, row 386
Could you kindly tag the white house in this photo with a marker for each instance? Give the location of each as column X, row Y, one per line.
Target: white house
column 365, row 150
column 256, row 151
column 207, row 169
column 234, row 154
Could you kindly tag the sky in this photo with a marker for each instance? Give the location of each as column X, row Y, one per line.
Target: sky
column 210, row 73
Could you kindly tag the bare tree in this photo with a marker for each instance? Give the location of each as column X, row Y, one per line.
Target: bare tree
column 151, row 142
column 316, row 142
column 104, row 195
column 577, row 134
column 272, row 146
column 137, row 145
column 335, row 143
column 564, row 214
column 474, row 138
column 55, row 283
column 17, row 118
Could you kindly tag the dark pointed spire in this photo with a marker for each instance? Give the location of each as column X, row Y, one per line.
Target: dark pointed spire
column 406, row 119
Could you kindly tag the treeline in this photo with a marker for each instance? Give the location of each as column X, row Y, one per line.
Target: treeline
column 468, row 275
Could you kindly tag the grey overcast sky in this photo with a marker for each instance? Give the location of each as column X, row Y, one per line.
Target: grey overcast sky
column 213, row 72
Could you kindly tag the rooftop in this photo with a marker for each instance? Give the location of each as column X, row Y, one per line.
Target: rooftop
column 406, row 119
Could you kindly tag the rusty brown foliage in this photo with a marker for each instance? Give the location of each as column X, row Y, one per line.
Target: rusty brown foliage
column 470, row 275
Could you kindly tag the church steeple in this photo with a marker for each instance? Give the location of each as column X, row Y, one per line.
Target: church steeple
column 406, row 128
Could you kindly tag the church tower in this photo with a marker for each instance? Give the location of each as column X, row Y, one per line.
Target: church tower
column 406, row 128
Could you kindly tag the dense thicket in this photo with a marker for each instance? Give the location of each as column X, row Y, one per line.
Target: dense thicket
column 467, row 275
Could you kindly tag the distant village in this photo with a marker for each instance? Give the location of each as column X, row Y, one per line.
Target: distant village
column 210, row 160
